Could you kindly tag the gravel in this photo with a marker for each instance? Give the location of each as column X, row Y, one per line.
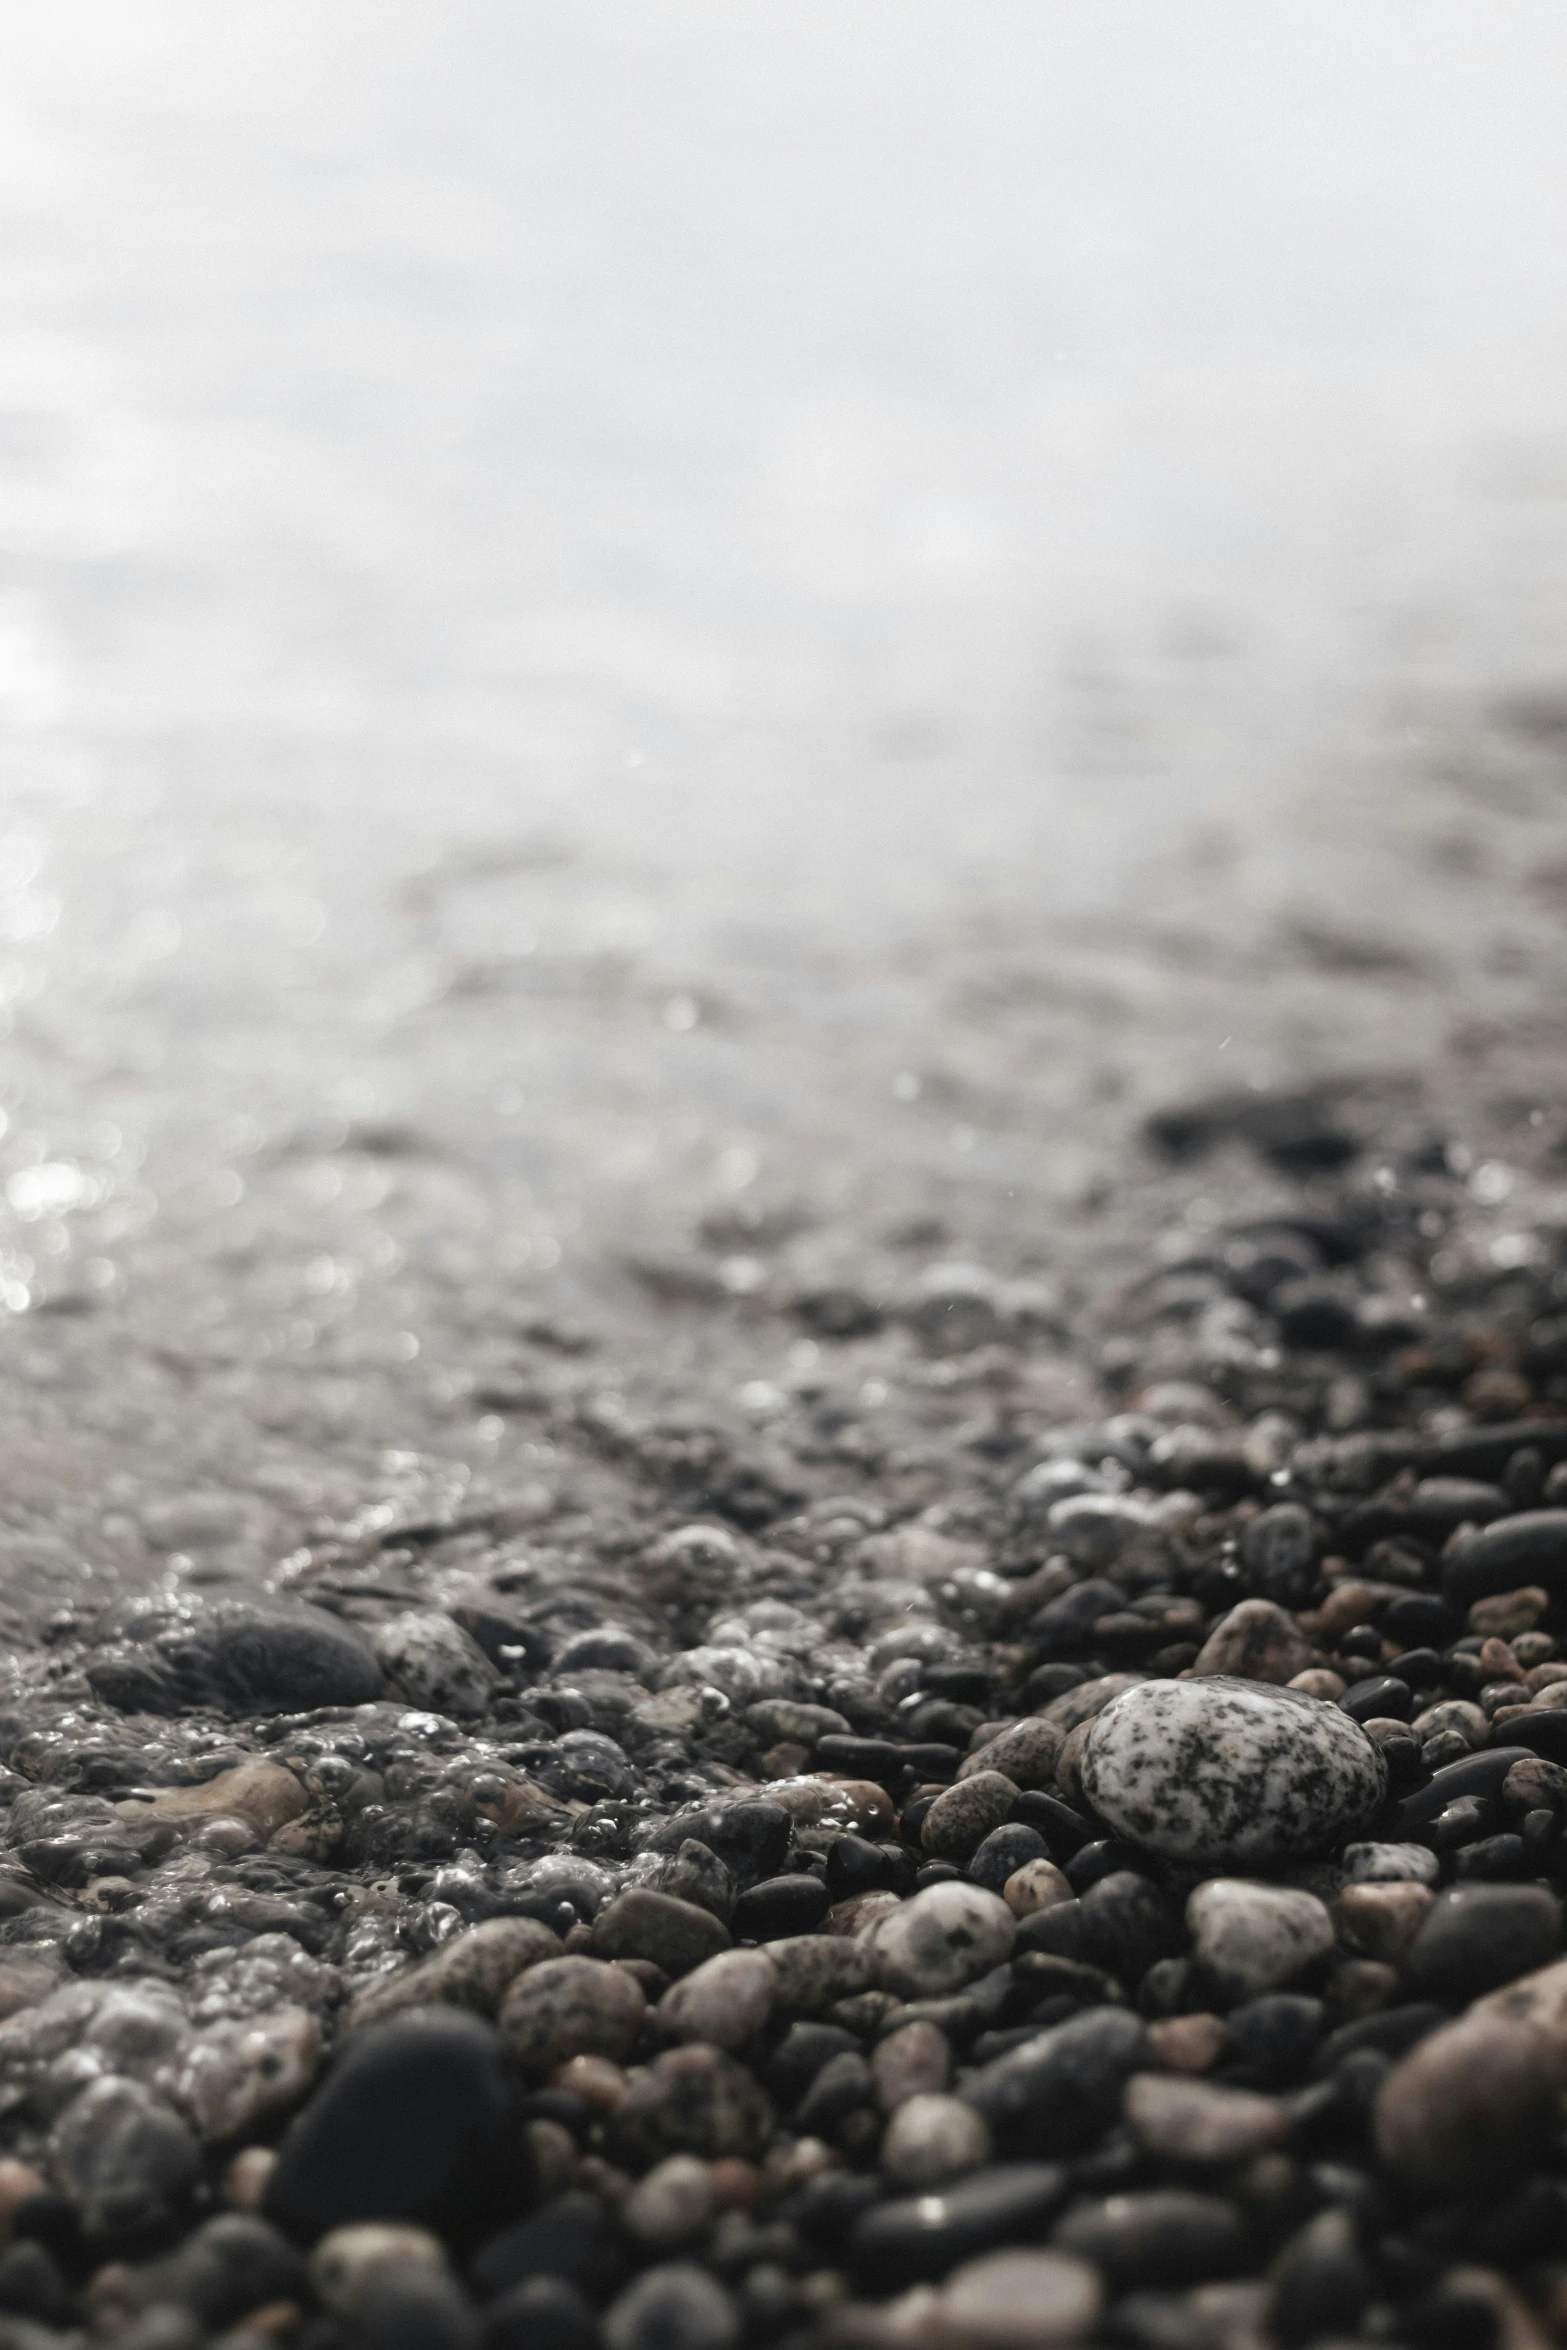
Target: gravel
column 1112, row 1892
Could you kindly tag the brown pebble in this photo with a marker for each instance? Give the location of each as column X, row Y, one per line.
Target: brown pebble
column 860, row 1912
column 1319, row 1681
column 911, row 2062
column 1180, row 2120
column 1507, row 1612
column 736, row 2184
column 19, row 2183
column 245, row 2180
column 1037, row 1885
column 1186, row 2043
column 963, row 1815
column 1256, row 1641
column 1468, row 2104
column 785, row 1761
column 1381, row 1920
column 1361, row 1986
column 594, row 2079
column 1497, row 1662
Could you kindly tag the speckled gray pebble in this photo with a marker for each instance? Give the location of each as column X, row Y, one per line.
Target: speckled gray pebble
column 571, row 2007
column 1224, row 1773
column 942, row 1939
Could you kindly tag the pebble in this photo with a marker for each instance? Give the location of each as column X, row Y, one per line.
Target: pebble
column 1528, row 1549
column 262, row 1794
column 913, row 2061
column 1381, row 1920
column 726, row 2001
column 1221, row 1773
column 1176, row 2120
column 691, row 2100
column 942, row 1939
column 544, row 2313
column 415, row 2309
column 1256, row 1641
column 568, row 2007
column 963, row 1815
column 1251, row 1937
column 126, row 2161
column 780, row 1906
column 1476, row 1937
column 1014, row 2300
column 471, row 1971
column 675, row 1935
column 1004, row 1851
column 931, row 2138
column 346, row 2259
column 1468, row 2105
column 1187, row 2043
column 1026, row 1754
column 1156, row 2236
column 921, row 2236
column 414, row 2122
column 814, row 1971
column 1038, row 1884
column 675, row 2307
column 672, row 2205
column 1379, row 1864
column 247, row 2072
column 1054, row 2094
column 434, row 1663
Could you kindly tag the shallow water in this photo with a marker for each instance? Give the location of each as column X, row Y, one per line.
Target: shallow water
column 593, row 607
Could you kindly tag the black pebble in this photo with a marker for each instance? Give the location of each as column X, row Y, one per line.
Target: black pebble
column 409, row 2308
column 780, row 1906
column 923, row 2236
column 1386, row 1697
column 414, row 2122
column 574, row 2237
column 544, row 2314
column 1477, row 1937
column 1004, row 1851
column 1273, row 2039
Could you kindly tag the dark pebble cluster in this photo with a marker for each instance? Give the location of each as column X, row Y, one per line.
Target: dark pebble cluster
column 1125, row 1909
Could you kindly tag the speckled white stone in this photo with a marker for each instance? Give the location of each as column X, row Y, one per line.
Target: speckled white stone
column 1220, row 1773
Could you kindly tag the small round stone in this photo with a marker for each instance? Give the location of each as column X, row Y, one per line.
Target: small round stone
column 1378, row 1864
column 1256, row 1641
column 1381, row 1920
column 1017, row 2300
column 942, row 1939
column 347, row 2259
column 1475, row 1937
column 726, row 2001
column 674, row 2203
column 963, row 1815
column 1199, row 2122
column 1025, row 1754
column 1252, row 1937
column 1224, row 1773
column 676, row 2307
column 1038, row 1884
column 571, row 2007
column 910, row 2062
column 1469, row 2104
column 931, row 2138
column 675, row 1935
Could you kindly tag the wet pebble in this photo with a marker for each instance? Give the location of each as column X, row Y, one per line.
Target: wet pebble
column 674, row 1935
column 941, row 1939
column 726, row 2001
column 963, row 1815
column 568, row 2007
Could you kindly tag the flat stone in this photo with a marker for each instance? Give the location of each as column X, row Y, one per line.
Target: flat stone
column 675, row 1935
column 262, row 1794
column 569, row 2007
column 1223, row 1773
column 921, row 2236
column 1016, row 2300
column 1252, row 1937
column 1199, row 2122
column 1158, row 2236
column 941, row 1939
column 1529, row 1548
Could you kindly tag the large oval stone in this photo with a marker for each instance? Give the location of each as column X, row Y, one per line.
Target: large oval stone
column 1220, row 1773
